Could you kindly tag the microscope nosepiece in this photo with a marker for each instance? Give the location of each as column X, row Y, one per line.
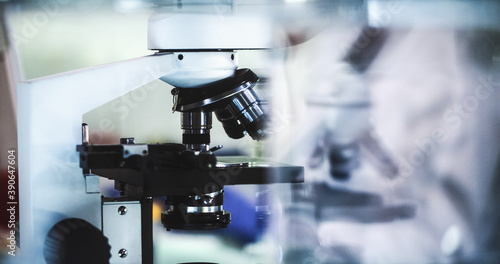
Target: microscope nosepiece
column 233, row 100
column 243, row 113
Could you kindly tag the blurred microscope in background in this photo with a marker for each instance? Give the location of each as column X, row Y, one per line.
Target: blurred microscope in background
column 398, row 133
column 390, row 106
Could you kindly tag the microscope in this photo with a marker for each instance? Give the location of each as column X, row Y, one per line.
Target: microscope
column 63, row 216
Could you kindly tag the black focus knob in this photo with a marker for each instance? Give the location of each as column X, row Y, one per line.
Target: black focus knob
column 76, row 241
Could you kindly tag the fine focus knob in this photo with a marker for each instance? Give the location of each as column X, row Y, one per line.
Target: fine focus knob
column 76, row 241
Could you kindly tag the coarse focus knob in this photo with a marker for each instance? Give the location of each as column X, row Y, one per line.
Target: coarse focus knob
column 76, row 241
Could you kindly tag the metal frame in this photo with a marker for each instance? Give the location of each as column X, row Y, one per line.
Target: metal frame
column 121, row 219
